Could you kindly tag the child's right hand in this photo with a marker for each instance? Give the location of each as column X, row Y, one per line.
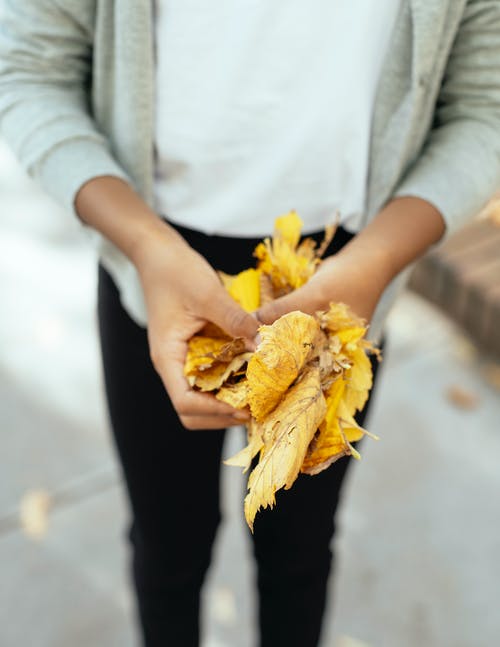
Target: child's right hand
column 181, row 290
column 182, row 294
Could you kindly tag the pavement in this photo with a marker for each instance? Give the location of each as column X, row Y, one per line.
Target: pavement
column 419, row 532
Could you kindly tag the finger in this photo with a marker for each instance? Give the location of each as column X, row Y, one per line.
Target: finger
column 229, row 316
column 188, row 402
column 169, row 364
column 195, row 403
column 194, row 423
column 306, row 299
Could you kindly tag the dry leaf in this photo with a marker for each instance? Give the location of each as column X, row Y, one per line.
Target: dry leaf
column 462, row 398
column 287, row 433
column 330, row 231
column 285, row 347
column 255, row 443
column 235, row 395
column 204, row 352
column 288, row 264
column 288, row 228
column 359, row 380
column 304, row 383
column 244, row 288
column 340, row 318
column 328, row 443
column 214, row 377
column 33, row 513
column 266, row 289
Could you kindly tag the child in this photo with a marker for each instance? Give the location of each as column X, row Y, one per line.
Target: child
column 178, row 130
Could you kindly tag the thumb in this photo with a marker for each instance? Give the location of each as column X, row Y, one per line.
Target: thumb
column 231, row 317
column 301, row 299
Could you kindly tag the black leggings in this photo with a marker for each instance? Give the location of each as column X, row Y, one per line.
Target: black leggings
column 172, row 477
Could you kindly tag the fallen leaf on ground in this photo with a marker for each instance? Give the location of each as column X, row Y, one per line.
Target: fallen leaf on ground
column 349, row 641
column 462, row 398
column 33, row 513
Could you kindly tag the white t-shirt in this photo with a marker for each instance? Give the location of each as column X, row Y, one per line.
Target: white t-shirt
column 264, row 106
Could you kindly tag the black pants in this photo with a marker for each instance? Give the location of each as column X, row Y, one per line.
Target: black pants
column 172, row 477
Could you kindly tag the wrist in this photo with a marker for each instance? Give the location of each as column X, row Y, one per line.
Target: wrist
column 371, row 264
column 111, row 206
column 399, row 234
column 154, row 240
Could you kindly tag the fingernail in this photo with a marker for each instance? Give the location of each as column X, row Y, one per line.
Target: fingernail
column 241, row 415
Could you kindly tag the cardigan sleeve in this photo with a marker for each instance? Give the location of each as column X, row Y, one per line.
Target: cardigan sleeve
column 45, row 79
column 459, row 166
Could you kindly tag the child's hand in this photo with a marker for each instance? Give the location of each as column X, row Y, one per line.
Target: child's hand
column 181, row 290
column 343, row 277
column 359, row 273
column 182, row 294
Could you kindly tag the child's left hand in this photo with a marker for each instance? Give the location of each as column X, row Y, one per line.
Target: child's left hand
column 351, row 276
column 359, row 273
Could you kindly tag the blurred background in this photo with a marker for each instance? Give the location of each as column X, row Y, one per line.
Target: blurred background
column 419, row 541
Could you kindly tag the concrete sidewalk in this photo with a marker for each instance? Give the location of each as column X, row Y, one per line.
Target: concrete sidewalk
column 419, row 535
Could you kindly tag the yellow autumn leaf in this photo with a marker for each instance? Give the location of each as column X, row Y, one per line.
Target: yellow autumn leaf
column 244, row 288
column 328, row 444
column 285, row 347
column 255, row 443
column 235, row 395
column 304, row 383
column 333, row 397
column 215, row 376
column 287, row 432
column 33, row 513
column 359, row 380
column 350, row 337
column 340, row 317
column 266, row 289
column 330, row 231
column 353, row 434
column 332, row 441
column 203, row 352
column 286, row 268
column 288, row 228
column 287, row 265
column 350, row 427
column 345, row 396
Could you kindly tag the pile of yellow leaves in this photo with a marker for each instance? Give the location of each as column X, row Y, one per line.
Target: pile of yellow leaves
column 304, row 382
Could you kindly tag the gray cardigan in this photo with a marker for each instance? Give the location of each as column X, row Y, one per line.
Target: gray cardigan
column 77, row 101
